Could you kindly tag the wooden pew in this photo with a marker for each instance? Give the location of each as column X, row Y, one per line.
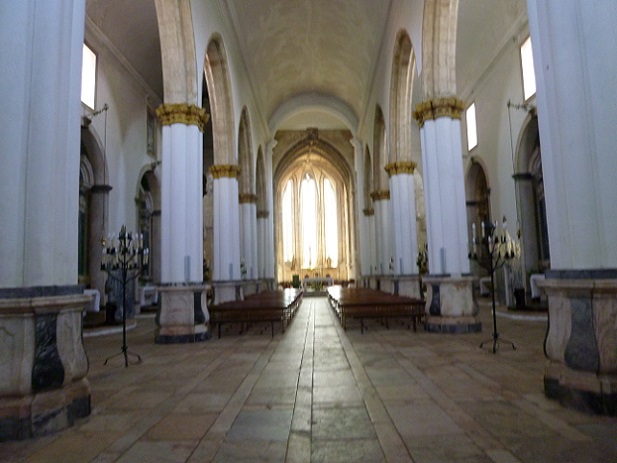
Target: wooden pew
column 270, row 306
column 364, row 303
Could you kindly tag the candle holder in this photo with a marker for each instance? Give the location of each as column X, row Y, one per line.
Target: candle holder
column 496, row 248
column 124, row 258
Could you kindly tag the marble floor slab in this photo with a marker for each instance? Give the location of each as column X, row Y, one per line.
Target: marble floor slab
column 318, row 393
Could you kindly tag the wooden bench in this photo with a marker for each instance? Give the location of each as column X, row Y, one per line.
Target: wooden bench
column 361, row 303
column 271, row 306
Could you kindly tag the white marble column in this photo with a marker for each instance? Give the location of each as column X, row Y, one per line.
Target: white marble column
column 226, row 274
column 573, row 43
column 383, row 226
column 450, row 301
column 248, row 234
column 43, row 385
column 262, row 227
column 269, row 250
column 404, row 216
column 181, row 315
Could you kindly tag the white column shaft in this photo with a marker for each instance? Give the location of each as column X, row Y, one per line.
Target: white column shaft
column 444, row 196
column 576, row 102
column 226, row 230
column 181, row 205
column 402, row 196
column 40, row 71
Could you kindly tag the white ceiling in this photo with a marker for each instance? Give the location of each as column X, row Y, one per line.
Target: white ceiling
column 295, row 48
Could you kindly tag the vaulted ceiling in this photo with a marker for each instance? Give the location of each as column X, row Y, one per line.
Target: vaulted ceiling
column 307, row 50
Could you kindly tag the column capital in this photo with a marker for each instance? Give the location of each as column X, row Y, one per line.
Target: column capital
column 400, row 167
column 380, row 195
column 368, row 212
column 182, row 113
column 225, row 170
column 438, row 107
column 247, row 198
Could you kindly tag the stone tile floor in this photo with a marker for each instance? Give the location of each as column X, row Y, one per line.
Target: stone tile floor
column 319, row 394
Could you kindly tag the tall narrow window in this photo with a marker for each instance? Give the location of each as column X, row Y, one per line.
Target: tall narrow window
column 309, row 222
column 88, row 77
column 472, row 131
column 529, row 75
column 331, row 224
column 287, row 213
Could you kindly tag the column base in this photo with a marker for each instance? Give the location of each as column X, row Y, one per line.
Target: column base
column 581, row 341
column 451, row 305
column 43, row 386
column 183, row 314
column 227, row 291
column 409, row 286
column 583, row 391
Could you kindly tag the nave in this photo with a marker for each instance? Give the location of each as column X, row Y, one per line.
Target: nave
column 321, row 394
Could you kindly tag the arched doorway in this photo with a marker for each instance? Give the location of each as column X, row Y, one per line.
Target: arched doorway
column 478, row 203
column 529, row 181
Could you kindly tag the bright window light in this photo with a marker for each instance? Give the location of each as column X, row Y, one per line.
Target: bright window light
column 331, row 231
column 529, row 75
column 472, row 131
column 309, row 222
column 287, row 210
column 88, row 77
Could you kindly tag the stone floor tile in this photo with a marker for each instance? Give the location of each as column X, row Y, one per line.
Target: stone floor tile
column 270, row 425
column 203, row 402
column 158, row 452
column 348, row 451
column 251, row 451
column 336, row 395
column 342, row 423
column 181, row 427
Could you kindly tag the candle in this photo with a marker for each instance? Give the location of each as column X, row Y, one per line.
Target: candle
column 473, row 232
column 483, row 228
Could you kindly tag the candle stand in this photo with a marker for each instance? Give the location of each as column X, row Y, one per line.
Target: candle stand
column 124, row 257
column 496, row 249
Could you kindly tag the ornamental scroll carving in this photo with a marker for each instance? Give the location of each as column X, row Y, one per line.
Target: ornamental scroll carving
column 225, row 171
column 400, row 167
column 438, row 107
column 380, row 195
column 182, row 113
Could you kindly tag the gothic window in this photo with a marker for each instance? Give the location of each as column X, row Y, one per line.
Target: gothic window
column 331, row 223
column 288, row 219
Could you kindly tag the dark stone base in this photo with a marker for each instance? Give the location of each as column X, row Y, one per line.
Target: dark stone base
column 15, row 428
column 583, row 401
column 182, row 338
column 459, row 328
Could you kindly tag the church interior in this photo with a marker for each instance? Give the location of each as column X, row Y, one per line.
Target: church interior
column 294, row 231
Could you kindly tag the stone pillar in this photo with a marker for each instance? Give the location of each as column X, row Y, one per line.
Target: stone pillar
column 576, row 103
column 383, row 227
column 181, row 224
column 226, row 275
column 269, row 250
column 43, row 384
column 262, row 245
column 403, row 216
column 248, row 234
column 371, row 248
column 99, row 197
column 446, row 219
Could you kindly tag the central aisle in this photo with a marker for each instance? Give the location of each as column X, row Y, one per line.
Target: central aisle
column 311, row 401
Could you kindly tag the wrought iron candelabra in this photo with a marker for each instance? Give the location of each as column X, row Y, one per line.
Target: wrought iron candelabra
column 496, row 248
column 124, row 257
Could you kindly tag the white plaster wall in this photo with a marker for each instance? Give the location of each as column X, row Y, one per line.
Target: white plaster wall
column 126, row 134
column 491, row 92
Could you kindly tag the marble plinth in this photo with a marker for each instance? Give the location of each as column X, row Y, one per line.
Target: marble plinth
column 581, row 343
column 183, row 315
column 43, row 385
column 228, row 291
column 408, row 286
column 450, row 305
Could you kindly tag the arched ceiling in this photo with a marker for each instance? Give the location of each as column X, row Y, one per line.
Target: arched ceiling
column 296, row 51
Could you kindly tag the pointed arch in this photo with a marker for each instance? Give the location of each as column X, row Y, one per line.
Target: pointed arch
column 380, row 177
column 245, row 154
column 219, row 90
column 401, row 110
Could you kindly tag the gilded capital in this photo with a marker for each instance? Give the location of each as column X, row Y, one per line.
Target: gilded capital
column 438, row 107
column 182, row 113
column 368, row 212
column 263, row 214
column 380, row 195
column 400, row 167
column 225, row 171
column 247, row 198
